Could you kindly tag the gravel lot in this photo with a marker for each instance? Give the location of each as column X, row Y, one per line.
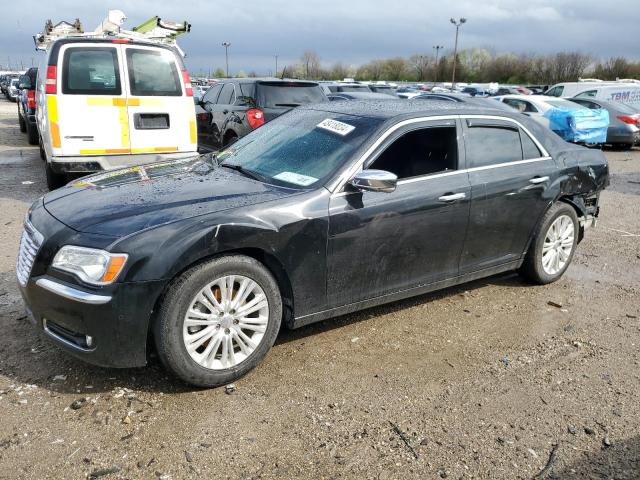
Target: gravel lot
column 493, row 379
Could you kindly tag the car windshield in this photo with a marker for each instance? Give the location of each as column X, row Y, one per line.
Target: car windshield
column 280, row 94
column 300, row 149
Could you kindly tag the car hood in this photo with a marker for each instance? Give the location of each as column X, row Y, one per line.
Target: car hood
column 122, row 202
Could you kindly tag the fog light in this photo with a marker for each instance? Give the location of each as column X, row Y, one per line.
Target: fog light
column 89, row 340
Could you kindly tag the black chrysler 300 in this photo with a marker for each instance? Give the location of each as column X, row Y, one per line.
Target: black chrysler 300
column 326, row 210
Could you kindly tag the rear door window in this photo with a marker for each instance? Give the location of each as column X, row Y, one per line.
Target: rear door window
column 212, row 94
column 227, row 96
column 491, row 145
column 282, row 94
column 91, row 71
column 529, row 149
column 153, row 73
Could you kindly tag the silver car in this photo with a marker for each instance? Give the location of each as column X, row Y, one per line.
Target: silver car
column 624, row 121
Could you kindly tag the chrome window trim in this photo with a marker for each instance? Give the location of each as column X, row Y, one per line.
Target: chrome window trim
column 72, row 293
column 336, row 186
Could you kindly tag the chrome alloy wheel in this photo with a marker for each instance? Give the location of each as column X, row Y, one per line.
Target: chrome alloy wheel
column 558, row 244
column 225, row 322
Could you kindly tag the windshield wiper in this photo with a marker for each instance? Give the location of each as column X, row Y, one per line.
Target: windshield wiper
column 287, row 104
column 245, row 171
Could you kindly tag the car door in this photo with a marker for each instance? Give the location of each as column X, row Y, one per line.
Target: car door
column 161, row 114
column 510, row 175
column 206, row 134
column 385, row 242
column 220, row 112
column 89, row 111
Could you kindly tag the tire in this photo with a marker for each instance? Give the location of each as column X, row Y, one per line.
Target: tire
column 22, row 123
column 534, row 268
column 43, row 154
column 170, row 333
column 32, row 134
column 230, row 139
column 54, row 180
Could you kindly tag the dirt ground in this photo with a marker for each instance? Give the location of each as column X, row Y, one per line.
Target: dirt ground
column 485, row 380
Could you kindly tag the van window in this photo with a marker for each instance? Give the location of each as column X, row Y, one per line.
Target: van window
column 91, row 71
column 420, row 152
column 153, row 73
column 555, row 91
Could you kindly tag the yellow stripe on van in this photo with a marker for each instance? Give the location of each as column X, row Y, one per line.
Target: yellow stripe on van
column 193, row 131
column 105, row 151
column 52, row 108
column 124, row 124
column 100, row 101
column 154, row 149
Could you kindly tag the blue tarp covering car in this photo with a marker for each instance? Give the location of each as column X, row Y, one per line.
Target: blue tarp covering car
column 579, row 125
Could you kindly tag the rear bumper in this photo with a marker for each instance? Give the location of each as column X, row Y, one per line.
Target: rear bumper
column 106, row 328
column 624, row 138
column 96, row 163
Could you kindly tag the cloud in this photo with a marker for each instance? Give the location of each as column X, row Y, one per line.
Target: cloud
column 353, row 32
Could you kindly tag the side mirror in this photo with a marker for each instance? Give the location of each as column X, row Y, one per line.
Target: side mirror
column 375, row 181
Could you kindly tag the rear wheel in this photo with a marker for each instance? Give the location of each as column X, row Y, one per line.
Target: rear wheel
column 43, row 154
column 54, row 180
column 21, row 122
column 553, row 246
column 218, row 320
column 32, row 134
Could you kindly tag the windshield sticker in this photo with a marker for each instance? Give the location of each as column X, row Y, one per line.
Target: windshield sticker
column 296, row 178
column 336, row 127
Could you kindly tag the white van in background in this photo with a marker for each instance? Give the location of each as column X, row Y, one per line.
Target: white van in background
column 106, row 103
column 618, row 91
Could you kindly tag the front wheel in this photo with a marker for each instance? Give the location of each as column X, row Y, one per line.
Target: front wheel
column 218, row 320
column 32, row 134
column 54, row 180
column 553, row 245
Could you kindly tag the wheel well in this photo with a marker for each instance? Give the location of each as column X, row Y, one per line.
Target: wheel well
column 269, row 261
column 571, row 202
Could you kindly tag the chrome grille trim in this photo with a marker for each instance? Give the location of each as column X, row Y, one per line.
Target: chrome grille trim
column 30, row 244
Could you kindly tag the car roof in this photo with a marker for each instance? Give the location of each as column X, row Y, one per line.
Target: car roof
column 362, row 95
column 387, row 109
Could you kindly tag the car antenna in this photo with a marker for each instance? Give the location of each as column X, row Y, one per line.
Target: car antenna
column 284, row 70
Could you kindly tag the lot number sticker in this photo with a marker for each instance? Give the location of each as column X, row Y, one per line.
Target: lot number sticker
column 296, row 178
column 337, row 127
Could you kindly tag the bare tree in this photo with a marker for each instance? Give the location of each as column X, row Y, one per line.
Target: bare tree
column 311, row 64
column 419, row 64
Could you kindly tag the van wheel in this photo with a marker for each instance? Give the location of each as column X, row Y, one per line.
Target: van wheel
column 54, row 180
column 22, row 123
column 218, row 320
column 553, row 245
column 32, row 134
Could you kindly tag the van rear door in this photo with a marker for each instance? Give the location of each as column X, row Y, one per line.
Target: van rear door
column 160, row 104
column 91, row 104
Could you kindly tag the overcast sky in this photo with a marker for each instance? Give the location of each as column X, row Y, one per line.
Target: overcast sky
column 352, row 31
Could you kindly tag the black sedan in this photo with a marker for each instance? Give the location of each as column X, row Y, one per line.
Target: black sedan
column 326, row 210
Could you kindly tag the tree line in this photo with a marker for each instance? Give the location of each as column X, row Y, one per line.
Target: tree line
column 475, row 65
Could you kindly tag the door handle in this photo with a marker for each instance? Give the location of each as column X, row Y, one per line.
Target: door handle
column 538, row 180
column 452, row 197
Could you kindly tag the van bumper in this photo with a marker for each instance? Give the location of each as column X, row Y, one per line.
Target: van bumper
column 96, row 163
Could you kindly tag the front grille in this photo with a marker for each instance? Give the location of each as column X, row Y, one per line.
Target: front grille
column 30, row 243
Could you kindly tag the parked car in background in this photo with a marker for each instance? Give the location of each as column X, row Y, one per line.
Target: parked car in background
column 624, row 121
column 408, row 92
column 618, row 91
column 238, row 106
column 92, row 116
column 4, row 83
column 475, row 91
column 359, row 96
column 27, row 105
column 298, row 222
column 464, row 98
column 339, row 87
column 13, row 89
column 383, row 88
column 573, row 122
column 512, row 91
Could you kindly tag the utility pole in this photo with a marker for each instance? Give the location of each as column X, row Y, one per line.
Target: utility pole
column 226, row 46
column 437, row 48
column 276, row 71
column 458, row 24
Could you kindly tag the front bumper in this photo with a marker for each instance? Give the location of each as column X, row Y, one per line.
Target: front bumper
column 105, row 327
column 96, row 163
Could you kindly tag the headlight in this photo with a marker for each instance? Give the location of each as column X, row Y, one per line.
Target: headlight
column 90, row 265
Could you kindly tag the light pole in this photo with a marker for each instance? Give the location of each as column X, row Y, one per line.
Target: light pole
column 226, row 46
column 437, row 48
column 457, row 23
column 276, row 74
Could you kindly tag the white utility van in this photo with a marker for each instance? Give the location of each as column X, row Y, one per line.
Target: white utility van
column 621, row 92
column 110, row 99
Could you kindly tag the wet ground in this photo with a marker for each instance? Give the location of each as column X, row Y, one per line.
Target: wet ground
column 493, row 379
